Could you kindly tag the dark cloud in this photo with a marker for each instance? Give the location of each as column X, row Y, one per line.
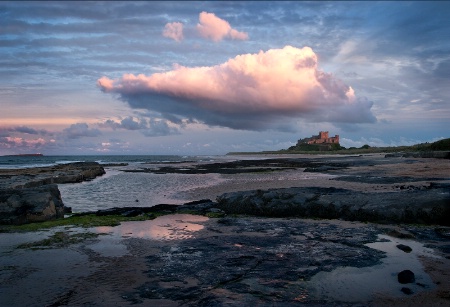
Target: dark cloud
column 159, row 128
column 151, row 127
column 29, row 130
column 129, row 123
column 80, row 130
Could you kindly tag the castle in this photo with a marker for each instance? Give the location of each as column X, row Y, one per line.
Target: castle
column 322, row 138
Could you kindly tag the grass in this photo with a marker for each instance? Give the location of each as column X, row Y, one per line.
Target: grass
column 441, row 145
column 215, row 215
column 86, row 221
column 59, row 239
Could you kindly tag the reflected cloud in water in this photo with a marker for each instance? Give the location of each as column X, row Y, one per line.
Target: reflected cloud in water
column 168, row 227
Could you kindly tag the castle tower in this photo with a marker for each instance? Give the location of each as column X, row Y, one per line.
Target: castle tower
column 323, row 134
column 336, row 138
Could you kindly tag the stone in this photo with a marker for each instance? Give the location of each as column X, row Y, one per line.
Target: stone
column 38, row 176
column 404, row 248
column 407, row 291
column 20, row 206
column 31, row 194
column 406, row 277
column 420, row 206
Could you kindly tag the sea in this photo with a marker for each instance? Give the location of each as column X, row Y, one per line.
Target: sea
column 124, row 189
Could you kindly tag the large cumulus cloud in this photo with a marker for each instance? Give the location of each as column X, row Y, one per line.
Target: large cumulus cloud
column 251, row 91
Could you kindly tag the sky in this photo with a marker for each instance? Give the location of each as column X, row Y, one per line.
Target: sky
column 212, row 77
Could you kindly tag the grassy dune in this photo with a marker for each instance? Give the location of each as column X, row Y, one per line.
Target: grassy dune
column 422, row 149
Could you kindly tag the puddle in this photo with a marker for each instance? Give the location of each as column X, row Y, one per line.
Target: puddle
column 168, row 227
column 350, row 284
column 33, row 277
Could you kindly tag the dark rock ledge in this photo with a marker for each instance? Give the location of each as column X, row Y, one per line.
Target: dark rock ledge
column 430, row 206
column 31, row 195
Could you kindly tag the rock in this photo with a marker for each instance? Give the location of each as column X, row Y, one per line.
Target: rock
column 428, row 154
column 133, row 211
column 394, row 155
column 38, row 176
column 404, row 248
column 215, row 210
column 20, row 206
column 407, row 291
column 406, row 277
column 31, row 195
column 400, row 234
column 201, row 206
column 420, row 206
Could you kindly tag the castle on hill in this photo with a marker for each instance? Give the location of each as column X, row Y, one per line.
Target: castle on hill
column 322, row 138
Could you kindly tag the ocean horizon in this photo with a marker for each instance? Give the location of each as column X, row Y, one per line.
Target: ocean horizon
column 28, row 161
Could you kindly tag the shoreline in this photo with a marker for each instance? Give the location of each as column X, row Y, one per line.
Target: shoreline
column 185, row 260
column 228, row 259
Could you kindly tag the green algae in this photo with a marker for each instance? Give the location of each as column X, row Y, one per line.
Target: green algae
column 59, row 239
column 85, row 221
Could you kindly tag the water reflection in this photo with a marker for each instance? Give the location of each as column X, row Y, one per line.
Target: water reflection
column 168, row 227
column 122, row 189
column 352, row 284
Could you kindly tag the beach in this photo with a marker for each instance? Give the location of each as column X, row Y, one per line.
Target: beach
column 225, row 259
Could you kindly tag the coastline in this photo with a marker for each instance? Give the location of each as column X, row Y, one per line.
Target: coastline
column 229, row 260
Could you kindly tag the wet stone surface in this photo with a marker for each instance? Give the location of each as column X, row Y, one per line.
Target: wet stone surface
column 253, row 262
column 188, row 260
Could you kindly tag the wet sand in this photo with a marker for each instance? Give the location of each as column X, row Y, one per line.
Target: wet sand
column 184, row 260
column 419, row 169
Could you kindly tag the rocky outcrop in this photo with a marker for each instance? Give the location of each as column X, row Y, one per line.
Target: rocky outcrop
column 431, row 206
column 421, row 154
column 63, row 173
column 20, row 206
column 31, row 195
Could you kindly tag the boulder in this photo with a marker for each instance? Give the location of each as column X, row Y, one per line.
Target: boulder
column 406, row 277
column 31, row 194
column 20, row 206
column 404, row 248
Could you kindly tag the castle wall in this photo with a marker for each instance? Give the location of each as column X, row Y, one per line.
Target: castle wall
column 322, row 138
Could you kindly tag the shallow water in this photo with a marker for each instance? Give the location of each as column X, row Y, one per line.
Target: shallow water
column 121, row 189
column 30, row 277
column 36, row 277
column 350, row 284
column 168, row 227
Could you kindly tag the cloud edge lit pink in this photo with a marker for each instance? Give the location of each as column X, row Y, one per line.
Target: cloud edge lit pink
column 266, row 87
column 209, row 27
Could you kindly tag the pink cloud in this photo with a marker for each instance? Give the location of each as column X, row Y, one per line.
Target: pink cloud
column 18, row 142
column 174, row 30
column 250, row 91
column 212, row 27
